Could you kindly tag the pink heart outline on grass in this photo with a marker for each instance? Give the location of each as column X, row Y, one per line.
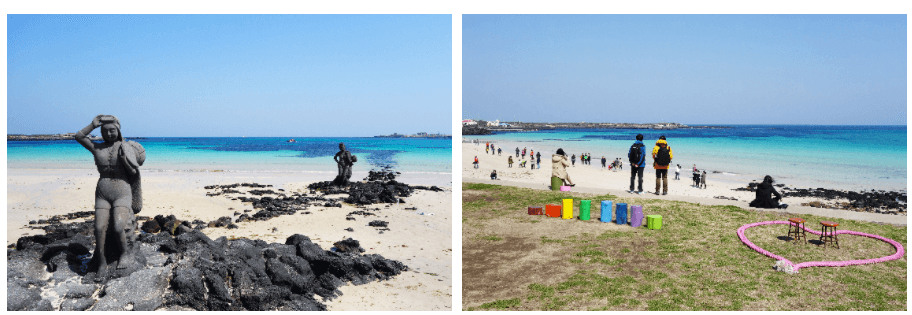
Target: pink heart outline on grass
column 899, row 248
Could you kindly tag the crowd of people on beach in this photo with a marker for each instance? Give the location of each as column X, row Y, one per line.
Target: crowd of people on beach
column 662, row 156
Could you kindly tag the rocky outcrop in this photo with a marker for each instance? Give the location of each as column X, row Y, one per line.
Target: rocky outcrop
column 187, row 269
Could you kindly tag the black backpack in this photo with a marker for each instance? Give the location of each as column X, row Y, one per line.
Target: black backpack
column 663, row 158
column 635, row 154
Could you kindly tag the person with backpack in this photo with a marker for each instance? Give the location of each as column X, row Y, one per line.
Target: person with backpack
column 661, row 156
column 637, row 158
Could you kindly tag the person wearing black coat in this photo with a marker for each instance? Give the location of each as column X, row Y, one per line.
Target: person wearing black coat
column 765, row 192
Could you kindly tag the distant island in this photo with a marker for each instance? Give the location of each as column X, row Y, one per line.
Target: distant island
column 481, row 127
column 57, row 137
column 417, row 135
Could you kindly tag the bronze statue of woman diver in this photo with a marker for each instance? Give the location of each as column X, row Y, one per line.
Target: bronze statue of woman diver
column 117, row 195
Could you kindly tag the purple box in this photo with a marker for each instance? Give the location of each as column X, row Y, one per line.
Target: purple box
column 636, row 216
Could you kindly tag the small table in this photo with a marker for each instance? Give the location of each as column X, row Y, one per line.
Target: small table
column 796, row 229
column 828, row 233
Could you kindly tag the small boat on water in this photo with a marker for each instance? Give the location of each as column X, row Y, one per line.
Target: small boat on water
column 291, row 140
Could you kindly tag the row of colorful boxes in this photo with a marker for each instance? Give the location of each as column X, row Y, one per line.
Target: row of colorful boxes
column 653, row 222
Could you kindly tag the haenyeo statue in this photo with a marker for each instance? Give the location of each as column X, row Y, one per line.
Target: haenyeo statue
column 118, row 198
column 344, row 160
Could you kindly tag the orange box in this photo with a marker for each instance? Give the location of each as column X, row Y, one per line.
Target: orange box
column 553, row 211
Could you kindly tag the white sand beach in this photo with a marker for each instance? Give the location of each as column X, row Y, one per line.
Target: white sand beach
column 593, row 178
column 423, row 242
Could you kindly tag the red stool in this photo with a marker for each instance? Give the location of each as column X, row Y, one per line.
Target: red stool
column 796, row 231
column 828, row 233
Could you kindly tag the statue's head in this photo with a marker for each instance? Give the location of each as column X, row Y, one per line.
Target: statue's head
column 341, row 146
column 110, row 129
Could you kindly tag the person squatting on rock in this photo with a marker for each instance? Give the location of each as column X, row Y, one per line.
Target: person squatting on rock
column 559, row 167
column 118, row 196
column 344, row 160
column 661, row 155
column 765, row 191
column 637, row 158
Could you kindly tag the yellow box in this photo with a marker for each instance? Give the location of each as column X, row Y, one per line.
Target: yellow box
column 567, row 211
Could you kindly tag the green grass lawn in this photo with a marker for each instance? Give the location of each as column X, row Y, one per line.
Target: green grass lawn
column 514, row 261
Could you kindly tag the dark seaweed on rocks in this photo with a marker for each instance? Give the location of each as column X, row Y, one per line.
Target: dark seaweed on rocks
column 878, row 201
column 189, row 270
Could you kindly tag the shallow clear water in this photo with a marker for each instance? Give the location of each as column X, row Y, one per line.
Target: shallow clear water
column 855, row 157
column 248, row 154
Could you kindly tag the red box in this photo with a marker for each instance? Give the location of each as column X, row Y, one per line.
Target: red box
column 553, row 211
column 535, row 210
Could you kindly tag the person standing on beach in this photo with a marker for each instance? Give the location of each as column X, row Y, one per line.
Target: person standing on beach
column 510, row 160
column 517, row 151
column 637, row 157
column 498, row 151
column 476, row 162
column 538, row 159
column 678, row 172
column 604, row 161
column 573, row 159
column 696, row 176
column 559, row 167
column 524, row 153
column 661, row 156
column 486, row 149
column 703, row 180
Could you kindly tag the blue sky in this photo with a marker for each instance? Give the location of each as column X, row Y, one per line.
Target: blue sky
column 691, row 69
column 231, row 75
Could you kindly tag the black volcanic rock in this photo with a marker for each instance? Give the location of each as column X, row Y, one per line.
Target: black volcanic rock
column 189, row 270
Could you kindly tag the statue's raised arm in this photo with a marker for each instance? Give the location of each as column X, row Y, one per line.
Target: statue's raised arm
column 82, row 136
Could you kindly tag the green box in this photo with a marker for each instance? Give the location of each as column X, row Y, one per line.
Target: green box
column 556, row 183
column 584, row 209
column 654, row 222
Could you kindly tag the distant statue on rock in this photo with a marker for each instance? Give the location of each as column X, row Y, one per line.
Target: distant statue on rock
column 345, row 160
column 118, row 197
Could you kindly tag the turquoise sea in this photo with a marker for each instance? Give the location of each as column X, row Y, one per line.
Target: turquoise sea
column 847, row 157
column 412, row 155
